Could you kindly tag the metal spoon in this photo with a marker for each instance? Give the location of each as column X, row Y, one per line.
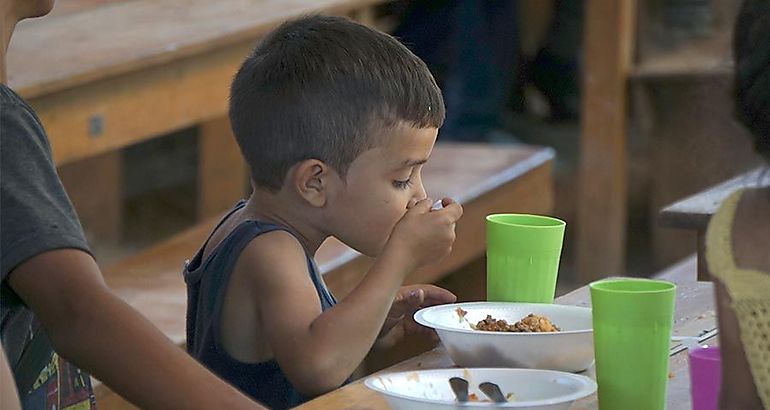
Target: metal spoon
column 460, row 388
column 493, row 392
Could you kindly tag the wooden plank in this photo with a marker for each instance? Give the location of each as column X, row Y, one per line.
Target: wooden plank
column 151, row 281
column 124, row 37
column 108, row 112
column 95, row 189
column 108, row 115
column 694, row 212
column 694, row 310
column 706, row 58
column 62, row 7
column 222, row 175
column 602, row 198
column 669, row 52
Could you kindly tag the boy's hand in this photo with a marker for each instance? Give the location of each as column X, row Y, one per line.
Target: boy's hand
column 409, row 300
column 425, row 235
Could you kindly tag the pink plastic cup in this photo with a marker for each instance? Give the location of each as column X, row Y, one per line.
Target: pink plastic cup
column 705, row 377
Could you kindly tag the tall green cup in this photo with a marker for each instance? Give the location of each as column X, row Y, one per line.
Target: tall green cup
column 523, row 254
column 632, row 333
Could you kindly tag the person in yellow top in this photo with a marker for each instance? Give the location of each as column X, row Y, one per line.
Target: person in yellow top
column 738, row 237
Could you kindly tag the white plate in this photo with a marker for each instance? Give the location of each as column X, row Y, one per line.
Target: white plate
column 532, row 389
column 569, row 350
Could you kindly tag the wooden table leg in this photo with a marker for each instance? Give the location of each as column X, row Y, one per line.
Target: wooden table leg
column 95, row 187
column 609, row 27
column 703, row 267
column 222, row 176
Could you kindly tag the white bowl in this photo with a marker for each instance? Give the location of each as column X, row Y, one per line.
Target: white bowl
column 569, row 350
column 532, row 389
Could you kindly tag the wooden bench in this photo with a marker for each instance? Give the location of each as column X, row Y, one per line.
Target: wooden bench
column 694, row 212
column 485, row 179
column 106, row 74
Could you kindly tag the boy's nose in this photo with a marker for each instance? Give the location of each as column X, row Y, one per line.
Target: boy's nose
column 418, row 196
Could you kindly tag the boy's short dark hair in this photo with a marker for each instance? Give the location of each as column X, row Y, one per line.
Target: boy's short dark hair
column 326, row 88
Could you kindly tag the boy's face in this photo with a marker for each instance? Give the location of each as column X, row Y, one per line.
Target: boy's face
column 380, row 185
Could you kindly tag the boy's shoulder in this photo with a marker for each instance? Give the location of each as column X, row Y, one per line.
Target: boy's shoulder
column 272, row 255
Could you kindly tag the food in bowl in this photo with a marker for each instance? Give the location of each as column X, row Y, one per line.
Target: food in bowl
column 530, row 323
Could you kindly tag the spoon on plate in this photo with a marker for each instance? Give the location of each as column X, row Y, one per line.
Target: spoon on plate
column 460, row 388
column 491, row 390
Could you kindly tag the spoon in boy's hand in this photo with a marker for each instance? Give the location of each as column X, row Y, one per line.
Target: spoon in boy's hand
column 438, row 205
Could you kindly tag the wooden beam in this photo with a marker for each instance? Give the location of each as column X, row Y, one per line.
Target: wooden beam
column 222, row 172
column 609, row 27
column 111, row 114
column 120, row 92
column 122, row 36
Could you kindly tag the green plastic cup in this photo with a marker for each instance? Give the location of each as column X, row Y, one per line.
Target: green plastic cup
column 632, row 321
column 523, row 253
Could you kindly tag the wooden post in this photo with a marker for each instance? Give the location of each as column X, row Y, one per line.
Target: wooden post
column 221, row 169
column 703, row 267
column 609, row 27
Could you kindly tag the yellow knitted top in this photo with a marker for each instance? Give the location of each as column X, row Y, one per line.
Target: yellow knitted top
column 749, row 290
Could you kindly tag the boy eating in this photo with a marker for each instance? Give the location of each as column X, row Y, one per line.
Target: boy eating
column 336, row 121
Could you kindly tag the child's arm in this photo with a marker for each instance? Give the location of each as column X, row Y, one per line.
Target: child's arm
column 319, row 351
column 94, row 329
column 9, row 398
column 400, row 319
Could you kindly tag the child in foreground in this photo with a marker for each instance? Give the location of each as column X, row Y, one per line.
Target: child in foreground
column 335, row 121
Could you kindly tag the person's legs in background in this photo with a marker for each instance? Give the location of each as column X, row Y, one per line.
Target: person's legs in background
column 472, row 48
column 555, row 70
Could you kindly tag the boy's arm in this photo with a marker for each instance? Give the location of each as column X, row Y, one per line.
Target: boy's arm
column 319, row 351
column 94, row 329
column 400, row 319
column 9, row 398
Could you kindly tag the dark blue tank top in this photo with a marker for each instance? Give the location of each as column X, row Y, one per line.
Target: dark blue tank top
column 206, row 286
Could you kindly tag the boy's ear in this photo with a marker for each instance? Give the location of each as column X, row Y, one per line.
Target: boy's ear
column 311, row 179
